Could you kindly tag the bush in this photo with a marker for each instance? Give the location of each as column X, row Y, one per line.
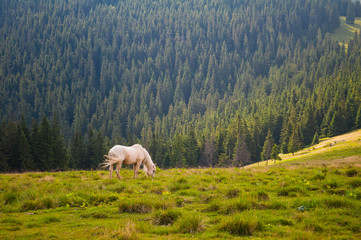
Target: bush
column 96, row 215
column 191, row 224
column 31, row 205
column 351, row 172
column 262, row 196
column 128, row 232
column 135, row 206
column 10, row 197
column 143, row 205
column 290, row 191
column 232, row 193
column 165, row 217
column 240, row 225
column 337, row 202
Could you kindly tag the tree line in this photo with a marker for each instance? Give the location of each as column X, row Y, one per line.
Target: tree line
column 41, row 147
column 198, row 83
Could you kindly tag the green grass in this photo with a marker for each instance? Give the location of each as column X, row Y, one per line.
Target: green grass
column 312, row 195
column 345, row 32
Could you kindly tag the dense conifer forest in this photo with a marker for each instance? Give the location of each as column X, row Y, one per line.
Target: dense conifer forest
column 197, row 82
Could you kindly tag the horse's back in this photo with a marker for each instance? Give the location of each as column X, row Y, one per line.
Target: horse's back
column 117, row 151
column 129, row 155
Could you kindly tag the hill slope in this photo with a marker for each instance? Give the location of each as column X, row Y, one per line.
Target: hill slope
column 282, row 201
column 345, row 32
column 344, row 149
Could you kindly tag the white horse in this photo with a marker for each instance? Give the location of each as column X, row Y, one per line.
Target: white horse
column 134, row 155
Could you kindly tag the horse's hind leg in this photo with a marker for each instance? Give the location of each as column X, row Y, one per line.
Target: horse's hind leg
column 111, row 171
column 117, row 169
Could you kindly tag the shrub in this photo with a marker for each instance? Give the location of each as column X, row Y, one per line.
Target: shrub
column 240, row 225
column 135, row 206
column 10, row 197
column 51, row 219
column 290, row 191
column 355, row 183
column 232, row 193
column 143, row 205
column 128, row 231
column 337, row 202
column 165, row 217
column 96, row 215
column 191, row 224
column 351, row 172
column 47, row 202
column 31, row 205
column 262, row 196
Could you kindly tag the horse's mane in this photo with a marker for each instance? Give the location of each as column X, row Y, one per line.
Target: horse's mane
column 148, row 160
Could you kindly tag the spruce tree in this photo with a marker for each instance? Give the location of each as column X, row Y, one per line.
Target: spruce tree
column 294, row 143
column 275, row 152
column 350, row 14
column 267, row 147
column 191, row 147
column 241, row 156
column 46, row 160
column 77, row 151
column 3, row 157
column 58, row 148
column 358, row 118
column 25, row 157
column 316, row 139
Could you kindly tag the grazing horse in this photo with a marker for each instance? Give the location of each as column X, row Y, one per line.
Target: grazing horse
column 134, row 155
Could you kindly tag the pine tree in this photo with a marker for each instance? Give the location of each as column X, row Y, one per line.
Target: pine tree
column 208, row 155
column 78, row 153
column 191, row 147
column 267, row 147
column 34, row 144
column 46, row 160
column 58, row 147
column 316, row 139
column 358, row 118
column 25, row 158
column 3, row 157
column 350, row 14
column 275, row 152
column 178, row 152
column 241, row 156
column 294, row 143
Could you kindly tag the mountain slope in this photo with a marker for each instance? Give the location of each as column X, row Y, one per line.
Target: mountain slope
column 340, row 150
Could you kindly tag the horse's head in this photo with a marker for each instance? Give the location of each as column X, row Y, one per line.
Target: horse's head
column 151, row 171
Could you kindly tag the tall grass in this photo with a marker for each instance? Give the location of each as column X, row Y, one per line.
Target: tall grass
column 241, row 225
column 282, row 201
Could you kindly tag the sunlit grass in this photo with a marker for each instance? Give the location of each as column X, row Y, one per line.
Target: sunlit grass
column 293, row 199
column 345, row 32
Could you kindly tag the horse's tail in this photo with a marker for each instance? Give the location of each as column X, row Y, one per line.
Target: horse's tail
column 108, row 161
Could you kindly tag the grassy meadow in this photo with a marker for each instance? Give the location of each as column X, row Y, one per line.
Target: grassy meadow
column 315, row 196
column 345, row 32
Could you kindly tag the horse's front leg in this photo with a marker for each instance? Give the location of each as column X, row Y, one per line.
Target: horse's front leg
column 136, row 167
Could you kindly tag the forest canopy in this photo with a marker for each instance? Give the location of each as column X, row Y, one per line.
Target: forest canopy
column 197, row 82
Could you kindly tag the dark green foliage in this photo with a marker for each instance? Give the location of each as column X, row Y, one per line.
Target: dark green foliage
column 166, row 217
column 350, row 13
column 316, row 139
column 198, row 83
column 241, row 225
column 38, row 148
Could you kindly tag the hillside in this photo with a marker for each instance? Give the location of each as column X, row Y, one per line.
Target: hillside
column 198, row 83
column 340, row 150
column 345, row 32
column 293, row 199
